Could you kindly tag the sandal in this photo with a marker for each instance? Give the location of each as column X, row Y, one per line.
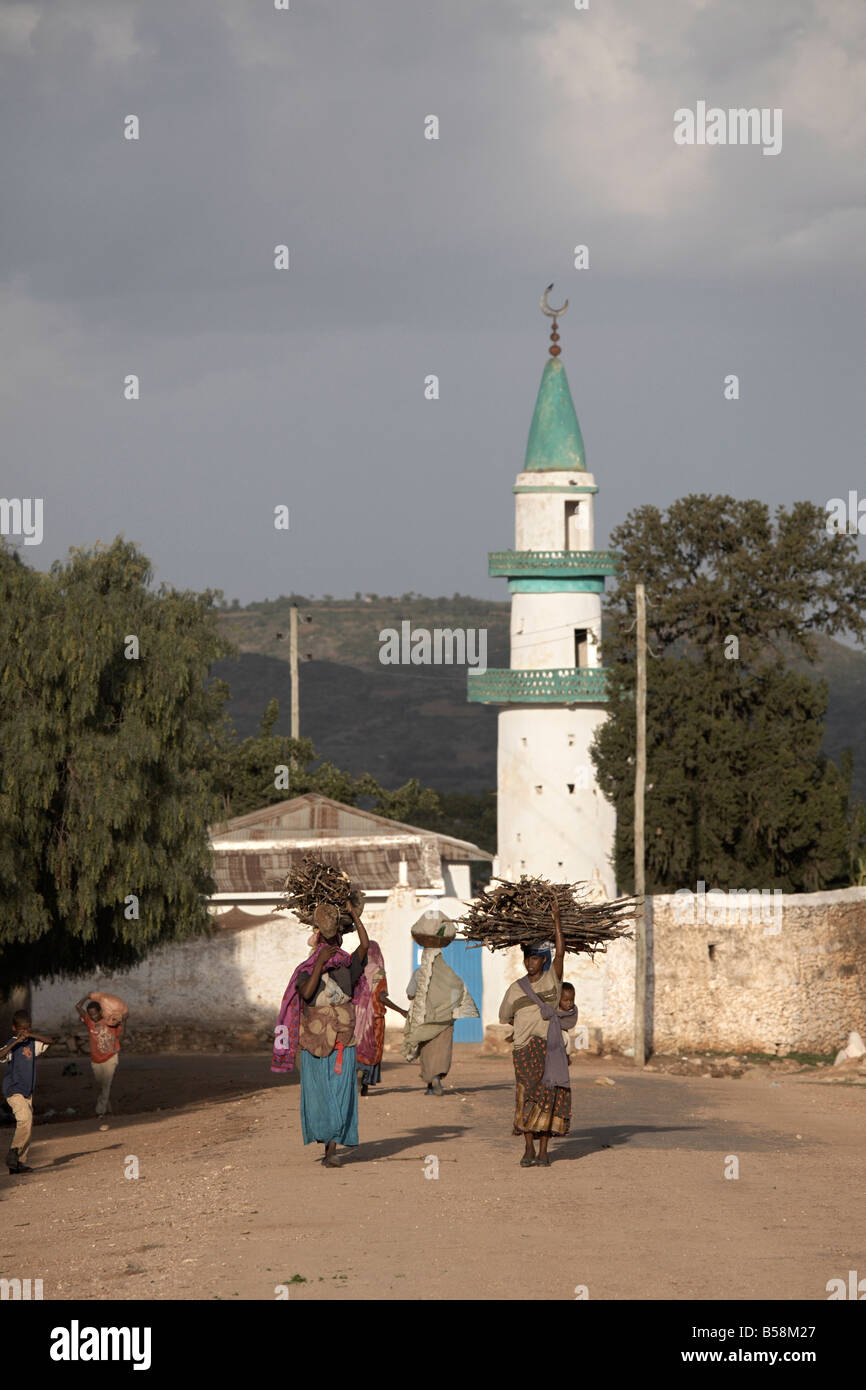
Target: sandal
column 527, row 1161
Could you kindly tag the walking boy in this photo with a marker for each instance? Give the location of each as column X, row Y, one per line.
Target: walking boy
column 19, row 1083
column 104, row 1049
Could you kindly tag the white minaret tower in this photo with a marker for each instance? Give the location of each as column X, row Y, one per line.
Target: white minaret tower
column 553, row 819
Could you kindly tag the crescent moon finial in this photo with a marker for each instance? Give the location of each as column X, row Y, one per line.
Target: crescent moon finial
column 547, row 309
column 554, row 314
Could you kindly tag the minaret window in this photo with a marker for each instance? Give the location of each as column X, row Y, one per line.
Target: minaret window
column 581, row 646
column 572, row 526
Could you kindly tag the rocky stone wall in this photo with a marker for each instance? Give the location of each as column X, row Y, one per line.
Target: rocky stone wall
column 791, row 982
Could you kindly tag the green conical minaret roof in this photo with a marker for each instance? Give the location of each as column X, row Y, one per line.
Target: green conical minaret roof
column 555, row 440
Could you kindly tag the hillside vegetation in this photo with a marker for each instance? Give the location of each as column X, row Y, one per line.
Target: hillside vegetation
column 399, row 722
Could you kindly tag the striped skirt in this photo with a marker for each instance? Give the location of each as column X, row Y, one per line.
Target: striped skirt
column 538, row 1109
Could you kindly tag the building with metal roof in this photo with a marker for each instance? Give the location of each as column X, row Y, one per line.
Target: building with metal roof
column 253, row 853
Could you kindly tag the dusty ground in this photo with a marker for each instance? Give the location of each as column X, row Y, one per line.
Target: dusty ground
column 229, row 1203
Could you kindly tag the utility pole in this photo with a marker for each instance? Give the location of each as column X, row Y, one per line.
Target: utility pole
column 293, row 665
column 639, row 835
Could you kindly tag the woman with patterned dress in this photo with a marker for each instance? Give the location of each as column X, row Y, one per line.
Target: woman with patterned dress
column 370, row 1020
column 543, row 1091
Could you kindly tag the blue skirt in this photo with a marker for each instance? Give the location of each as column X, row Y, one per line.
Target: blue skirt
column 329, row 1102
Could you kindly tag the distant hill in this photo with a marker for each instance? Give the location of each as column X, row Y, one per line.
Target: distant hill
column 844, row 670
column 347, row 630
column 398, row 722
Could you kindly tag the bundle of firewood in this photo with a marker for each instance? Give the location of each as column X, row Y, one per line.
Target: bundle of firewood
column 521, row 914
column 313, row 882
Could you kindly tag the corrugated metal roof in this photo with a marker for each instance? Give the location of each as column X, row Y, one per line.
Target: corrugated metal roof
column 313, row 817
column 369, row 866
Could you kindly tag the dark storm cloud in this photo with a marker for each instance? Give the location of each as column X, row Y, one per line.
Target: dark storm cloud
column 410, row 257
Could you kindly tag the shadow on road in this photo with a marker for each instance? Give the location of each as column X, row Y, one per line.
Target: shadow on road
column 607, row 1137
column 61, row 1159
column 419, row 1089
column 396, row 1143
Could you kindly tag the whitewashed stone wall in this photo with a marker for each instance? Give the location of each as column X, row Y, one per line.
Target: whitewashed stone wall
column 553, row 819
column 226, row 988
column 802, row 988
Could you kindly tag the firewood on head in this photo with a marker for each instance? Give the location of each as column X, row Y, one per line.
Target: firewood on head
column 312, row 883
column 521, row 914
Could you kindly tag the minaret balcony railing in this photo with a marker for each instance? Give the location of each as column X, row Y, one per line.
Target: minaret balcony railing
column 551, row 564
column 533, row 687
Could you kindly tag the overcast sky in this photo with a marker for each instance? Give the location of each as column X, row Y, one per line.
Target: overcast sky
column 411, row 256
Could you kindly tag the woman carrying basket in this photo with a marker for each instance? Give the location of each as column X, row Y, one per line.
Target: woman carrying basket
column 543, row 1087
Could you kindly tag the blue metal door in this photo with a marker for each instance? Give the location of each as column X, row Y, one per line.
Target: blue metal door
column 466, row 963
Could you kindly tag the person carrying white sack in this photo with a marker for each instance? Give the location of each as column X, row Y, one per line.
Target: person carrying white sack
column 438, row 997
column 106, row 1026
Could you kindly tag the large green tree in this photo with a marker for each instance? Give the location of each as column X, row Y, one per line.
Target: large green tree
column 105, row 797
column 738, row 791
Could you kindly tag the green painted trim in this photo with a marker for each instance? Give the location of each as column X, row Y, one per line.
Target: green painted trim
column 552, row 564
column 572, row 487
column 568, row 686
column 556, row 586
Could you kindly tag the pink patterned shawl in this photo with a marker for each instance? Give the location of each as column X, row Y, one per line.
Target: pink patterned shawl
column 287, row 1031
column 370, row 1011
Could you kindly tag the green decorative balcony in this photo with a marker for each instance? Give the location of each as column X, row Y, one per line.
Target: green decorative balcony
column 555, row 687
column 552, row 564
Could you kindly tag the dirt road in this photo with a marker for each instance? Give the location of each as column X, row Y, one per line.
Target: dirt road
column 228, row 1203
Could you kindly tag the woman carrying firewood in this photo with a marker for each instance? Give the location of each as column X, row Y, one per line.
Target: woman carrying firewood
column 317, row 1024
column 543, row 1087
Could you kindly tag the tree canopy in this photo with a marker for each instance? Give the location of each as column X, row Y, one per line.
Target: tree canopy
column 116, row 757
column 738, row 791
column 105, row 797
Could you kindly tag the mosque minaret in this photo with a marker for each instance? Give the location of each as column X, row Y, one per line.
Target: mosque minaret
column 553, row 819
